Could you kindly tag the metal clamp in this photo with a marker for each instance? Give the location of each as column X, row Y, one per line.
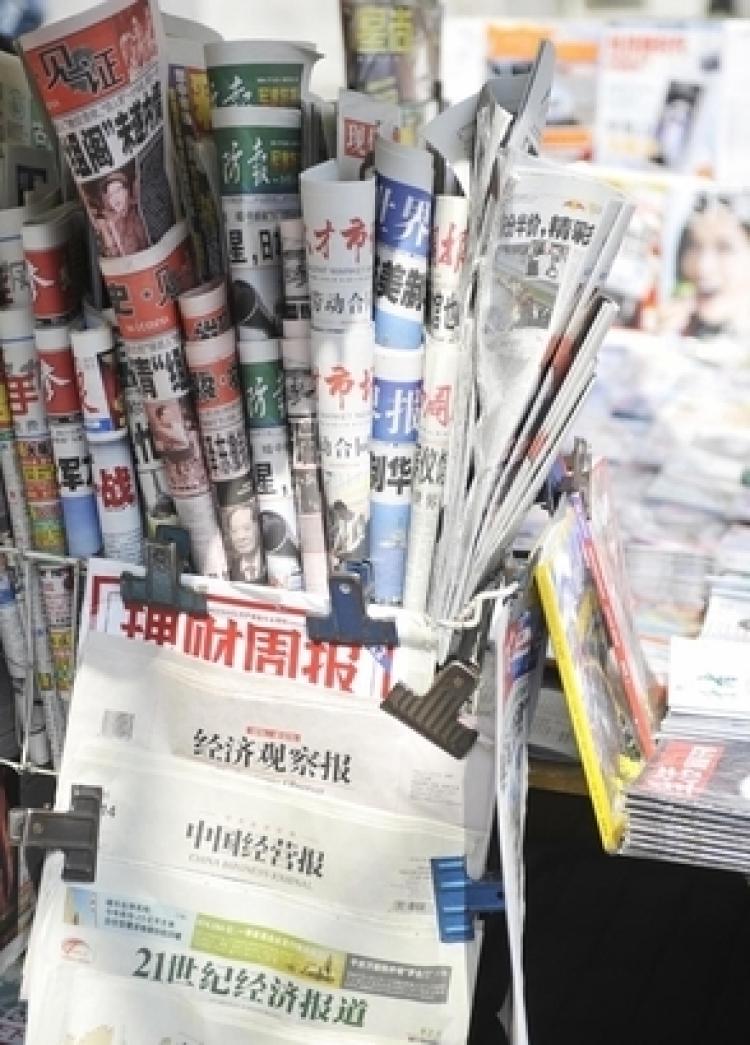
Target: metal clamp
column 459, row 899
column 161, row 586
column 348, row 621
column 434, row 715
column 75, row 833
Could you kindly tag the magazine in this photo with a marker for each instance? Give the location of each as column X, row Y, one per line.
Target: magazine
column 604, row 732
column 605, row 561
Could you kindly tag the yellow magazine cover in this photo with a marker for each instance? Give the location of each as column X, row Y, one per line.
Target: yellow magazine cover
column 593, row 692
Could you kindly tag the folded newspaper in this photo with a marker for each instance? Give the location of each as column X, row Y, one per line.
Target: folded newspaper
column 207, row 939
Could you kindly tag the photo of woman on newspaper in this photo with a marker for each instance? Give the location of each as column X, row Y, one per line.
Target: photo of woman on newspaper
column 176, row 437
column 112, row 203
column 711, row 278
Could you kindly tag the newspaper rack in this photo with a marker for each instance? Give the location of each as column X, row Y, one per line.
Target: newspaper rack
column 433, row 714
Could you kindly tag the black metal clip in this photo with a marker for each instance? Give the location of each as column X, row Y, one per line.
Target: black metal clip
column 435, row 714
column 161, row 586
column 348, row 621
column 76, row 833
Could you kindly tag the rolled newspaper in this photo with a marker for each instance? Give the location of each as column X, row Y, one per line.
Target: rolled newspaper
column 144, row 289
column 395, row 423
column 15, row 650
column 53, row 249
column 294, row 268
column 101, row 397
column 195, row 161
column 11, row 472
column 442, row 355
column 262, row 380
column 69, row 446
column 152, row 477
column 259, row 156
column 104, row 422
column 14, row 277
column 110, row 114
column 117, row 499
column 204, row 310
column 161, row 372
column 56, row 583
column 402, row 242
column 22, row 372
column 259, row 72
column 360, row 119
column 41, row 497
column 214, row 370
column 449, row 239
column 301, row 407
column 338, row 217
column 342, row 363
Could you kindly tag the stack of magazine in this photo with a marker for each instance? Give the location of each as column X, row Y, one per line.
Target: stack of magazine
column 687, row 797
column 612, row 704
column 692, row 805
column 692, row 802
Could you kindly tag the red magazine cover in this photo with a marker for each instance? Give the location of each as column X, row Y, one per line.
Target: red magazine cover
column 605, row 559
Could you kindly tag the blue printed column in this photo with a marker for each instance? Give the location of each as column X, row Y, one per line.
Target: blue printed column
column 395, row 425
column 403, row 218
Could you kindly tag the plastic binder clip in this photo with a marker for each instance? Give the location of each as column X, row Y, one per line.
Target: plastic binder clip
column 435, row 715
column 161, row 586
column 76, row 833
column 348, row 621
column 167, row 534
column 458, row 898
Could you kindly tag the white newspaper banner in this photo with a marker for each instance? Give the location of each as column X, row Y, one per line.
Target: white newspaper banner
column 222, row 942
column 92, row 1008
column 171, row 707
column 339, row 218
column 257, row 630
column 194, row 819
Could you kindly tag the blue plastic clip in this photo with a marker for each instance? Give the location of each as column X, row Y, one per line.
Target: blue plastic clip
column 459, row 898
column 348, row 621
